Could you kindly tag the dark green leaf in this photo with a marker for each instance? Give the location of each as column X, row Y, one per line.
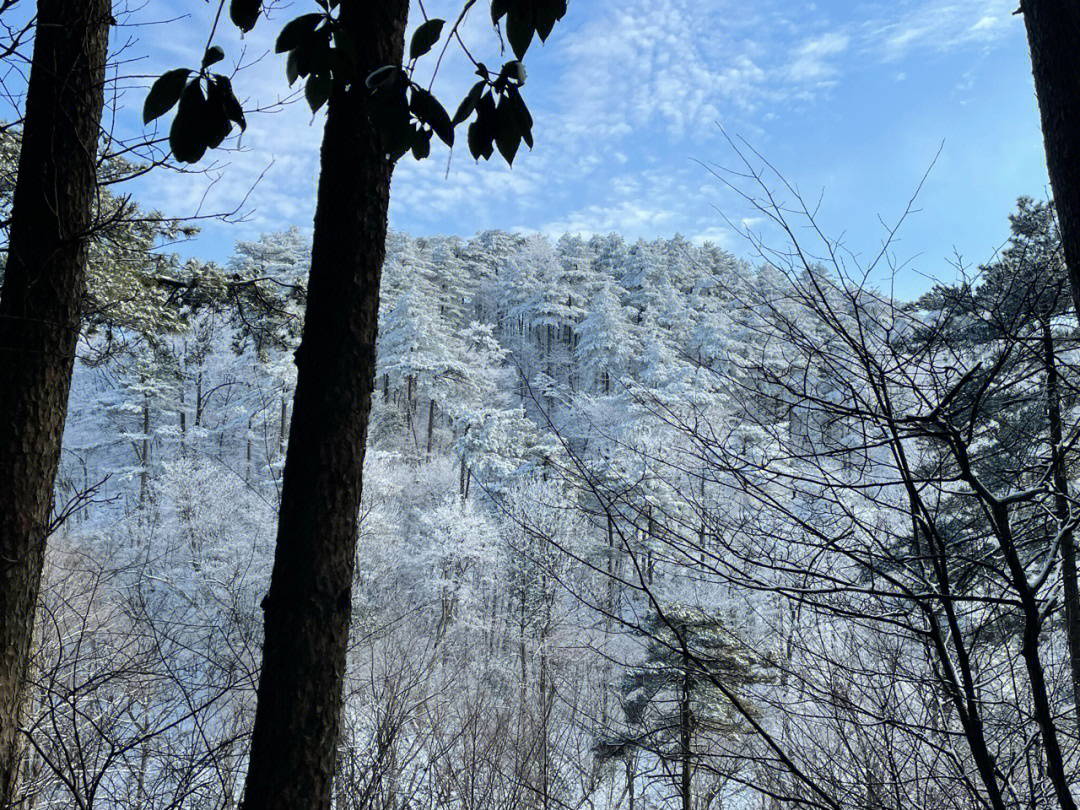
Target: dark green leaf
column 217, row 125
column 232, row 106
column 317, row 90
column 390, row 115
column 519, row 29
column 548, row 12
column 521, row 115
column 213, row 55
column 313, row 53
column 425, row 37
column 498, row 10
column 292, row 67
column 164, row 93
column 188, row 134
column 403, row 141
column 482, row 130
column 428, row 109
column 421, row 147
column 468, row 104
column 384, row 75
column 296, row 31
column 507, row 132
column 245, row 13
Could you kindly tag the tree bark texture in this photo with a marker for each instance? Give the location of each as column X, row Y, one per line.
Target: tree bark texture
column 40, row 305
column 1053, row 30
column 307, row 608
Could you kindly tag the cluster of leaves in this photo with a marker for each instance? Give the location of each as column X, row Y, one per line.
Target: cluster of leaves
column 322, row 51
column 307, row 41
column 502, row 120
column 206, row 107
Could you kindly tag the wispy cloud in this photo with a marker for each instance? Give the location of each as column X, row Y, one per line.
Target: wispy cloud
column 939, row 26
column 623, row 94
column 815, row 58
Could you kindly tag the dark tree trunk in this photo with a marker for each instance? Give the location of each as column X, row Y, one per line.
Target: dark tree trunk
column 307, row 609
column 1053, row 29
column 39, row 316
column 1061, row 508
column 685, row 737
column 430, row 425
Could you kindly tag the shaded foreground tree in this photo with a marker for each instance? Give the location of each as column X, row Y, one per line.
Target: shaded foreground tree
column 1053, row 30
column 307, row 608
column 40, row 306
column 351, row 54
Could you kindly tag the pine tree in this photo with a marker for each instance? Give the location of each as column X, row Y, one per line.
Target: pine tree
column 693, row 663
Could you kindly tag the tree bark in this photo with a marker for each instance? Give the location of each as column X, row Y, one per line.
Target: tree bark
column 1062, row 512
column 307, row 609
column 1053, row 30
column 39, row 316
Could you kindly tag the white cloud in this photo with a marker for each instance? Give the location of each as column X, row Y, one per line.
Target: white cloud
column 939, row 26
column 813, row 60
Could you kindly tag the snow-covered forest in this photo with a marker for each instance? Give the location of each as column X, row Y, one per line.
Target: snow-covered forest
column 642, row 526
column 310, row 501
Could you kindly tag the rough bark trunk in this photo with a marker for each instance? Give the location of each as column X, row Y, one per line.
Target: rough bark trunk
column 1053, row 29
column 1061, row 508
column 307, row 608
column 39, row 316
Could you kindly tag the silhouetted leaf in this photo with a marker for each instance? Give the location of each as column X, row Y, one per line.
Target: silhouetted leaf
column 519, row 29
column 295, row 31
column 507, row 133
column 428, row 109
column 468, row 104
column 188, row 136
column 232, row 106
column 521, row 115
column 482, row 130
column 547, row 13
column 292, row 67
column 425, row 37
column 164, row 93
column 421, row 147
column 317, row 90
column 381, row 76
column 213, row 55
column 498, row 10
column 245, row 13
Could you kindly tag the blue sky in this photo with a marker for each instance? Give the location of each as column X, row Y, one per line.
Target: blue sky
column 851, row 100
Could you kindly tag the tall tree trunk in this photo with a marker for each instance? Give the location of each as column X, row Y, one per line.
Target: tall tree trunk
column 685, row 735
column 39, row 316
column 1061, row 508
column 144, row 452
column 1053, row 29
column 430, row 425
column 282, row 425
column 307, row 609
